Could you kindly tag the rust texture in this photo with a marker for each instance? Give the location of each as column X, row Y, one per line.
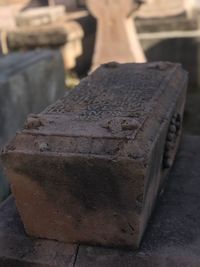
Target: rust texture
column 88, row 169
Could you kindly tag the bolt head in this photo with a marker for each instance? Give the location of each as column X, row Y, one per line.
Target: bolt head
column 170, row 136
column 167, row 163
column 172, row 129
column 44, row 147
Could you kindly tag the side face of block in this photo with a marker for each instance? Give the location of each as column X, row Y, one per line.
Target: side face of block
column 88, row 169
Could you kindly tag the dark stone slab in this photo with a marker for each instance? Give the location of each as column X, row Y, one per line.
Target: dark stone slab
column 17, row 249
column 173, row 235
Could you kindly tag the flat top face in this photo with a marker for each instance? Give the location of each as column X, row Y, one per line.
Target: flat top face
column 125, row 90
column 114, row 94
column 109, row 107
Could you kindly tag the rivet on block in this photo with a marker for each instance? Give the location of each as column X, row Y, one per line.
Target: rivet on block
column 170, row 136
column 44, row 147
column 33, row 123
column 129, row 125
column 168, row 145
column 172, row 129
column 167, row 163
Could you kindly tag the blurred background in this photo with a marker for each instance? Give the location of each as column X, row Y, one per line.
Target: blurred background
column 47, row 46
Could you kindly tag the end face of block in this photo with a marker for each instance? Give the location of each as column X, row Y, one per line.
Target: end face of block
column 89, row 168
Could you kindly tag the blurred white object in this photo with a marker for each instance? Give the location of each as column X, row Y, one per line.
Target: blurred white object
column 192, row 6
column 116, row 36
column 40, row 16
column 161, row 8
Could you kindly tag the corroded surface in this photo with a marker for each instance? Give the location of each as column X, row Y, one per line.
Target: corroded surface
column 91, row 165
column 66, row 35
column 172, row 237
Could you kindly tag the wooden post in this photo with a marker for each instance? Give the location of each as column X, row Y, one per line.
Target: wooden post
column 51, row 2
column 116, row 38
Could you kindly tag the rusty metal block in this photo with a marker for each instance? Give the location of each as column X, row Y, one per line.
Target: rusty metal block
column 89, row 168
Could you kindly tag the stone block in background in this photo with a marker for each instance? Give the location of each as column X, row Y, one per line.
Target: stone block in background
column 28, row 82
column 70, row 5
column 40, row 16
column 178, row 36
column 176, row 39
column 98, row 157
column 67, row 36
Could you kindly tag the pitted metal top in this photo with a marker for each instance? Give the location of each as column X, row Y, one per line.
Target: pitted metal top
column 107, row 111
column 113, row 102
column 115, row 90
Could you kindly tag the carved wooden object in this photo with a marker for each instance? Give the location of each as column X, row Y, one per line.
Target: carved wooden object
column 116, row 37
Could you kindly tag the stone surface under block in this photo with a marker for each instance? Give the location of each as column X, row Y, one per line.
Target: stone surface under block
column 75, row 36
column 91, row 165
column 19, row 250
column 28, row 83
column 172, row 237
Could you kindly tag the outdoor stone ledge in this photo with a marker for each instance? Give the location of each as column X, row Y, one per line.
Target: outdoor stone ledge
column 67, row 35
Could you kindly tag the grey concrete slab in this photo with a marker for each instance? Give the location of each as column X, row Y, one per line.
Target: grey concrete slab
column 172, row 237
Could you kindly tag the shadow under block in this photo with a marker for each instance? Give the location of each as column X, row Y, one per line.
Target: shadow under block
column 28, row 83
column 91, row 165
column 172, row 237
